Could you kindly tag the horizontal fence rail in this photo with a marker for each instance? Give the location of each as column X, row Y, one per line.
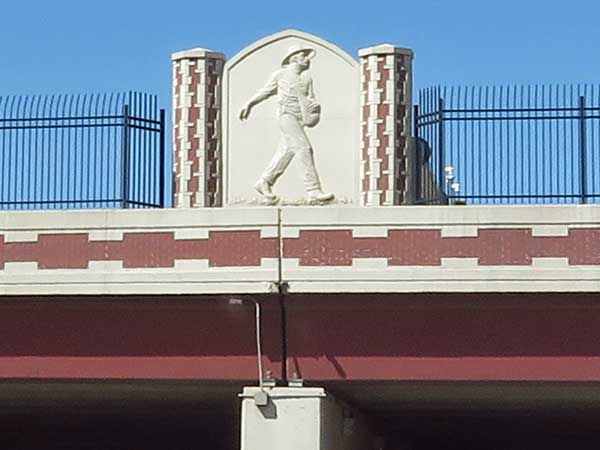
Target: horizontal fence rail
column 82, row 151
column 508, row 144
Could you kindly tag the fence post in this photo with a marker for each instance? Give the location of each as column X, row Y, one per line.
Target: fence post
column 125, row 154
column 161, row 164
column 417, row 163
column 582, row 151
column 441, row 156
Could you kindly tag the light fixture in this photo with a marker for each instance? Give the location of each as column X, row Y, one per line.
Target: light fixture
column 449, row 171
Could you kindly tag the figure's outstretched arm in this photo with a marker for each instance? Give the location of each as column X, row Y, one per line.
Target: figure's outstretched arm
column 268, row 90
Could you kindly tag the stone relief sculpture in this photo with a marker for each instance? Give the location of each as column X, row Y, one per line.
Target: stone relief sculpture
column 297, row 109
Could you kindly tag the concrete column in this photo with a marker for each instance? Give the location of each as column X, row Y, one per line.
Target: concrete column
column 197, row 77
column 302, row 418
column 386, row 116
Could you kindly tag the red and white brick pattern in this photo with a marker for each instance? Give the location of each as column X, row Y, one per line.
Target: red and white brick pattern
column 179, row 251
column 155, row 249
column 442, row 249
column 386, row 80
column 197, row 94
column 404, row 249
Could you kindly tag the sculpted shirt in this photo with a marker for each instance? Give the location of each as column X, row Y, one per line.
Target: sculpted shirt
column 289, row 87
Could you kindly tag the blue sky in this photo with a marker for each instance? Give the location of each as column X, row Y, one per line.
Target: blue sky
column 65, row 46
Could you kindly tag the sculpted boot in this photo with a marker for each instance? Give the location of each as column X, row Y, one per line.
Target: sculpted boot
column 264, row 189
column 320, row 196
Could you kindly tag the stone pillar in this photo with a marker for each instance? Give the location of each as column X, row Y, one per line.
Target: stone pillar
column 302, row 418
column 197, row 162
column 386, row 113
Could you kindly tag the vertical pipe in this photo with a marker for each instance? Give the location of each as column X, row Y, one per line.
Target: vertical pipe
column 582, row 151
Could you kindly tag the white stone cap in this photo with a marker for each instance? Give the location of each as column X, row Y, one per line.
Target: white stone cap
column 286, row 392
column 385, row 49
column 195, row 53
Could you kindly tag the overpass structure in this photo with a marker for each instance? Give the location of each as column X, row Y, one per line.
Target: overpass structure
column 403, row 313
column 382, row 326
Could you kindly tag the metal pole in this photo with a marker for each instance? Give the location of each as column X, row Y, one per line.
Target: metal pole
column 258, row 345
column 582, row 151
column 441, row 156
column 161, row 163
column 416, row 156
column 125, row 150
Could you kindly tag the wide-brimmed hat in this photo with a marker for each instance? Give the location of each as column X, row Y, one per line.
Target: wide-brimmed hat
column 295, row 49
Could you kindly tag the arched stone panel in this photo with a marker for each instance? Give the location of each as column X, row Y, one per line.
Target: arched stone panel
column 249, row 145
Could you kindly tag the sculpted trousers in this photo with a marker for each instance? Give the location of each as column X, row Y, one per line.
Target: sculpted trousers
column 294, row 142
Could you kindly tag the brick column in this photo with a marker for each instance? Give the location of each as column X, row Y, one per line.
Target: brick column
column 386, row 113
column 197, row 77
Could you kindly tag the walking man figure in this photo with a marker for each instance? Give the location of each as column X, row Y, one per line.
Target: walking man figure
column 297, row 108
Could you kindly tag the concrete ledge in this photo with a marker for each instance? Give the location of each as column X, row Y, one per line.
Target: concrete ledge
column 311, row 249
column 196, row 53
column 385, row 49
column 286, row 392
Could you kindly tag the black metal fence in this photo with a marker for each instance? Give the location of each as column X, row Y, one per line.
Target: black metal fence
column 82, row 151
column 508, row 144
